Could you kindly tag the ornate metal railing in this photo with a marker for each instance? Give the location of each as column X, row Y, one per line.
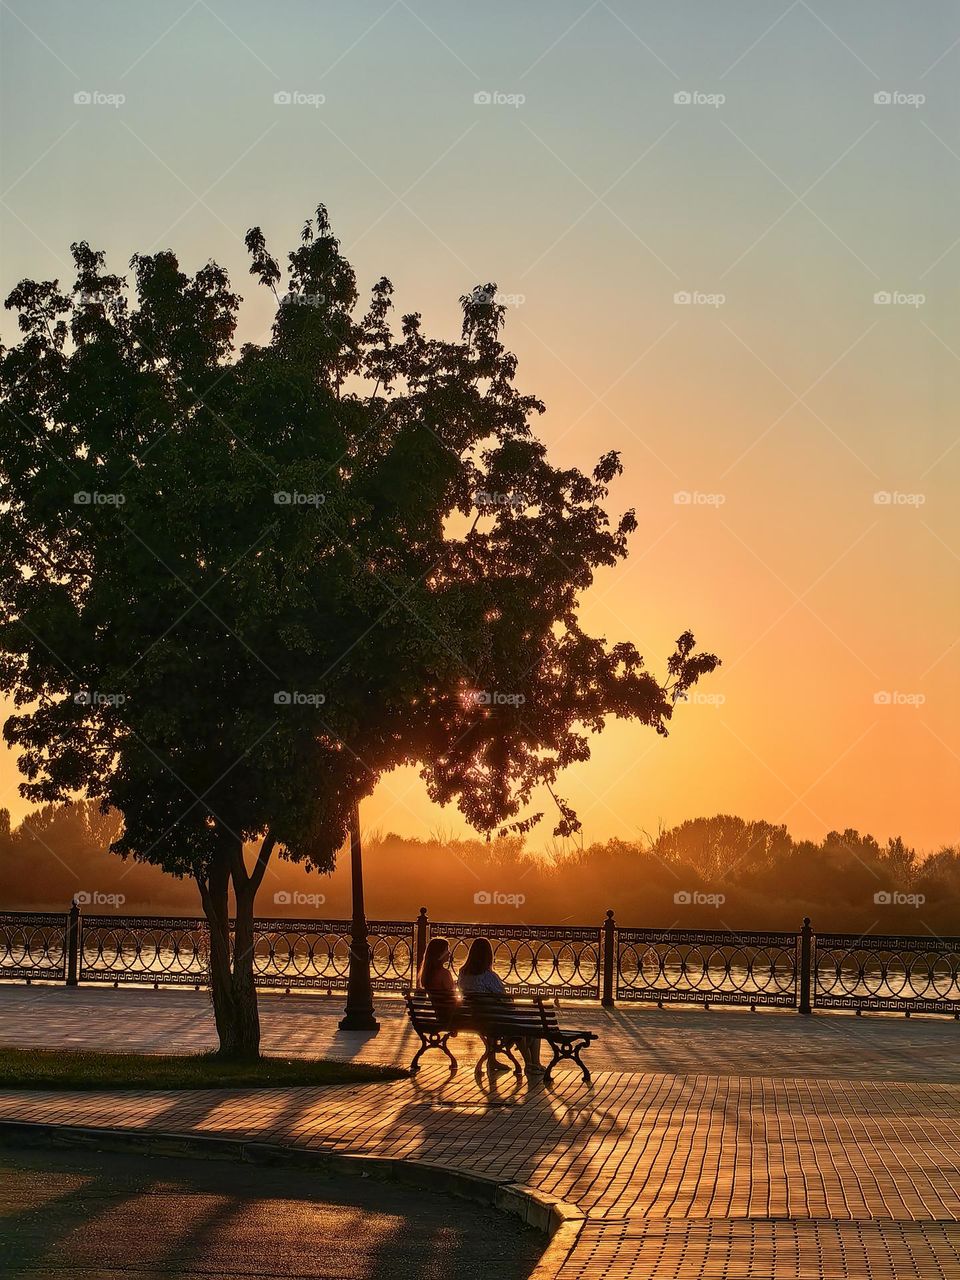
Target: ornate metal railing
column 33, row 946
column 666, row 966
column 297, row 954
column 537, row 960
column 288, row 954
column 707, row 967
column 162, row 950
column 896, row 973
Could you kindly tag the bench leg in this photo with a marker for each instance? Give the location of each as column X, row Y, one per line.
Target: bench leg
column 567, row 1049
column 577, row 1059
column 415, row 1064
column 432, row 1042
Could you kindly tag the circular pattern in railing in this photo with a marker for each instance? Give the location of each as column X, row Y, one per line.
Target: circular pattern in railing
column 887, row 973
column 161, row 951
column 32, row 945
column 298, row 955
column 308, row 953
column 706, row 968
column 287, row 954
column 391, row 957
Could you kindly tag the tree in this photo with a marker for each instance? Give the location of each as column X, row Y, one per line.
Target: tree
column 237, row 588
column 724, row 845
column 57, row 848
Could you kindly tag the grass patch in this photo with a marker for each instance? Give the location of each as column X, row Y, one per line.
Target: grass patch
column 59, row 1069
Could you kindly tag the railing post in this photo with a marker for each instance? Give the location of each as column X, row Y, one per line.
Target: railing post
column 806, row 968
column 73, row 945
column 609, row 949
column 422, row 925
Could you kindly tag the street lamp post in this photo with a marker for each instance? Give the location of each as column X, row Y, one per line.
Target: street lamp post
column 358, row 1015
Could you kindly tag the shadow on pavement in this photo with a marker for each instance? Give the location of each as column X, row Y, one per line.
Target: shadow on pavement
column 92, row 1214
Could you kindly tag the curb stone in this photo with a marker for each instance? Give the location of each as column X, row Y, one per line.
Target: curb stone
column 561, row 1245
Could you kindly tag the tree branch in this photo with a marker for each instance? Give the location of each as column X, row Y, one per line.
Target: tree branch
column 263, row 857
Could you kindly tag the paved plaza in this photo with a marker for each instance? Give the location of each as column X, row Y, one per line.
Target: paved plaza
column 720, row 1144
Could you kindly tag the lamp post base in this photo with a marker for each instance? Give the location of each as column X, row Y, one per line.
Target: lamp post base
column 358, row 1021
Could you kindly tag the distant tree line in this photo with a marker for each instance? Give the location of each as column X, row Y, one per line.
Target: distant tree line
column 713, row 872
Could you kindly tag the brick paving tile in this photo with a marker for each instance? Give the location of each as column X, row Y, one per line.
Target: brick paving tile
column 765, row 1156
column 665, row 1041
column 764, row 1250
column 660, row 1147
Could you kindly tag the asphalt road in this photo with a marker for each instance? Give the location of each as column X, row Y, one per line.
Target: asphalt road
column 119, row 1217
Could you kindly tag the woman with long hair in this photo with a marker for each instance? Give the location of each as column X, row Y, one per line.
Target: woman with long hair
column 434, row 977
column 437, row 981
column 477, row 974
column 478, row 977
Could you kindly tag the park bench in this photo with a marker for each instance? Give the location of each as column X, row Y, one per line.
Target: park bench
column 500, row 1022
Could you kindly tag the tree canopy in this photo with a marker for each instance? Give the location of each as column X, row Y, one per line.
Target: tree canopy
column 238, row 587
column 187, row 537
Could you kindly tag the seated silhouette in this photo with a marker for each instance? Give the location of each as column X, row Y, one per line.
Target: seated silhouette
column 478, row 977
column 437, row 981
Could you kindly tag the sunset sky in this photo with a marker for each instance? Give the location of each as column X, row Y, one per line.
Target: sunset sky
column 783, row 197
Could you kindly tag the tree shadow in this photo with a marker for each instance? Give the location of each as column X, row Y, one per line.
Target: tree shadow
column 93, row 1213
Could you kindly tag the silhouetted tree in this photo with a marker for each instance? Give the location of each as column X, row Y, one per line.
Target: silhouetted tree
column 238, row 588
column 58, row 845
column 723, row 845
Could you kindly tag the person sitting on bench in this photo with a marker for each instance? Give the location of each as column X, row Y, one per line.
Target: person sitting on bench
column 478, row 977
column 436, row 979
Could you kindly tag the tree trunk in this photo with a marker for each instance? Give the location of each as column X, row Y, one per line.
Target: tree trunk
column 231, row 972
column 246, row 1016
column 214, row 897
